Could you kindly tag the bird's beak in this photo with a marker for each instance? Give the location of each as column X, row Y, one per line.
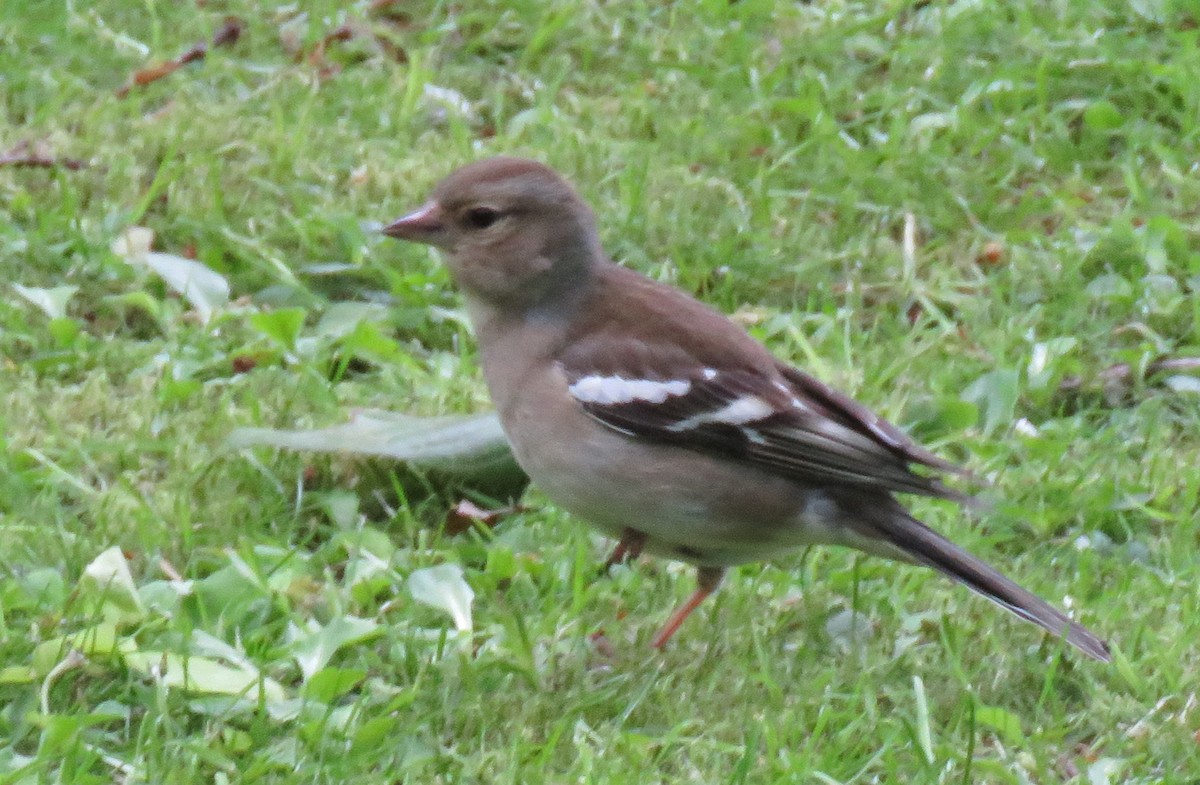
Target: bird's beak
column 422, row 225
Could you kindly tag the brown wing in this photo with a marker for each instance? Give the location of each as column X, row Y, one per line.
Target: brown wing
column 765, row 422
column 852, row 414
column 699, row 381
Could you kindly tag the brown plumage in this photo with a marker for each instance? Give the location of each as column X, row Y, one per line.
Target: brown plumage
column 661, row 422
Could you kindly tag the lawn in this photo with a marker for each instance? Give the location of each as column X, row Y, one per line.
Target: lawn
column 979, row 218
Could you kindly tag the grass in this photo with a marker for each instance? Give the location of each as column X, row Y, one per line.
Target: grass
column 953, row 210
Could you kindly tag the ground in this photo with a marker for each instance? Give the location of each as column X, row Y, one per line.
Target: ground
column 978, row 218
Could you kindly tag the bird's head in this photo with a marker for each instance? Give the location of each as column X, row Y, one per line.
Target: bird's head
column 511, row 230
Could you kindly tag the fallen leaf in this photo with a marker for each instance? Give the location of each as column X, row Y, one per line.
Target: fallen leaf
column 1182, row 384
column 464, row 515
column 203, row 288
column 443, row 587
column 394, row 51
column 454, row 443
column 342, row 33
column 1104, row 770
column 99, row 640
column 145, row 76
column 603, row 645
column 914, row 313
column 52, row 301
column 204, row 675
column 991, row 255
column 229, row 32
column 27, row 154
column 313, row 650
column 316, row 56
column 107, row 585
column 995, row 393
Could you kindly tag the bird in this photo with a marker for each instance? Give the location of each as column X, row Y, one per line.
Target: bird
column 664, row 424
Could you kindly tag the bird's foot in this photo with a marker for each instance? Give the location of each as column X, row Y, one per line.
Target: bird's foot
column 707, row 580
column 629, row 547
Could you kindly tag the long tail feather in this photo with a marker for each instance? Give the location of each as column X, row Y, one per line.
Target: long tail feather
column 923, row 545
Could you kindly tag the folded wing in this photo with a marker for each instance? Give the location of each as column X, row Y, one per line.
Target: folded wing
column 779, row 419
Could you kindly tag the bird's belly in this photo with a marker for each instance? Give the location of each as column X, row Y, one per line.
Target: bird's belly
column 690, row 506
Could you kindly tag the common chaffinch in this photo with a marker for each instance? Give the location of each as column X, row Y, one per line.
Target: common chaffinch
column 663, row 423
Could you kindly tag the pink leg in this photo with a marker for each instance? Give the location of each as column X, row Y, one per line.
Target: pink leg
column 707, row 579
column 629, row 547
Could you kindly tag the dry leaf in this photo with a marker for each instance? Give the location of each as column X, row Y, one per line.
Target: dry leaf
column 464, row 515
column 145, row 76
column 603, row 645
column 27, row 154
column 229, row 32
column 991, row 255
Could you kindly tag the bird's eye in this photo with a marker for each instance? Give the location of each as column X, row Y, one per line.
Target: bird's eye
column 482, row 217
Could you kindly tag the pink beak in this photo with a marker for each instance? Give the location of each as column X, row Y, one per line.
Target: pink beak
column 422, row 225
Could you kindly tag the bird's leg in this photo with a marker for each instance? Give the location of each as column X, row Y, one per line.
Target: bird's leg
column 629, row 547
column 707, row 580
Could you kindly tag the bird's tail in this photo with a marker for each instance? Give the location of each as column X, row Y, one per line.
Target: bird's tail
column 918, row 543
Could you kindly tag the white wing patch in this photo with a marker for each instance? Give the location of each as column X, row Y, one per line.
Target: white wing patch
column 605, row 390
column 748, row 408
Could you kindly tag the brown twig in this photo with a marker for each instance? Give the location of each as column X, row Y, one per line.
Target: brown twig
column 226, row 35
column 26, row 155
